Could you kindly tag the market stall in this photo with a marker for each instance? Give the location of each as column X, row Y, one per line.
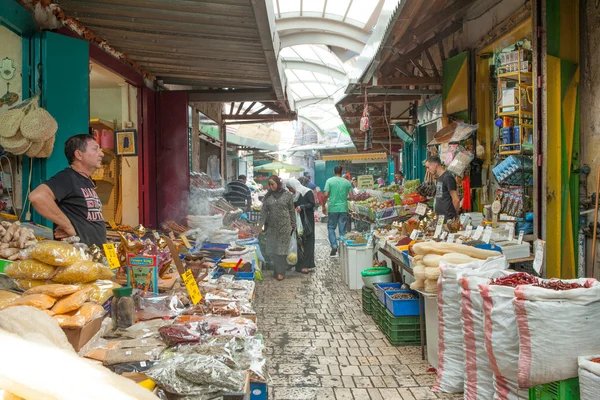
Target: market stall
column 168, row 311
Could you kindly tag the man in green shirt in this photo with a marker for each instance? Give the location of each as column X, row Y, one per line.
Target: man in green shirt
column 336, row 191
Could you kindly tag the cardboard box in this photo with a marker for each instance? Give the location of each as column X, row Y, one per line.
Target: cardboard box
column 78, row 337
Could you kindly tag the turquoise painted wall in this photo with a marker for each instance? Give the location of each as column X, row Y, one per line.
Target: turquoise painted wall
column 62, row 80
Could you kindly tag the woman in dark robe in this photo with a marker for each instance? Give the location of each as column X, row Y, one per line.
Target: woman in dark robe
column 304, row 201
column 279, row 221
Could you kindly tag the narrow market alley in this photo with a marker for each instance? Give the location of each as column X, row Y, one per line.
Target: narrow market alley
column 321, row 345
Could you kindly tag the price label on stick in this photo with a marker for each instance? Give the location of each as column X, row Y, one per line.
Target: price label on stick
column 464, row 219
column 414, row 234
column 443, row 235
column 438, row 228
column 191, row 286
column 487, row 235
column 450, row 238
column 478, row 233
column 111, row 255
column 539, row 255
column 459, row 241
column 520, row 239
column 469, row 231
column 421, row 209
column 511, row 232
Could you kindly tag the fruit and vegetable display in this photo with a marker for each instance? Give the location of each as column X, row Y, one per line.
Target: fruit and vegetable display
column 427, row 189
column 411, row 186
column 376, row 204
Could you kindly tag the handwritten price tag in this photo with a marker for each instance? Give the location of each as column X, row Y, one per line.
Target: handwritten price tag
column 421, row 209
column 113, row 225
column 520, row 239
column 111, row 255
column 443, row 235
column 539, row 255
column 438, row 228
column 511, row 232
column 478, row 233
column 459, row 241
column 487, row 234
column 191, row 286
column 450, row 238
column 414, row 235
column 469, row 231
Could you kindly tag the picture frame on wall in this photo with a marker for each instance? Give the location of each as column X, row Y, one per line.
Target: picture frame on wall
column 126, row 142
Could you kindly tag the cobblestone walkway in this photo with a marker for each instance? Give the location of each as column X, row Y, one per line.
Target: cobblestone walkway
column 322, row 346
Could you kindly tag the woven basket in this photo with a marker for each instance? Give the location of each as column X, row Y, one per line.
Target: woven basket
column 35, row 149
column 38, row 125
column 10, row 122
column 16, row 145
column 48, row 147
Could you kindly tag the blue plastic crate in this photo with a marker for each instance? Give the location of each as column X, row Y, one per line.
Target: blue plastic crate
column 214, row 246
column 258, row 391
column 247, row 276
column 405, row 254
column 402, row 307
column 379, row 289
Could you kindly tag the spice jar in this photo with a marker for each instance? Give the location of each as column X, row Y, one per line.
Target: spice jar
column 122, row 310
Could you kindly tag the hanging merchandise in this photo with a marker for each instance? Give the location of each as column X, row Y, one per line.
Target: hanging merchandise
column 28, row 129
column 365, row 122
column 368, row 139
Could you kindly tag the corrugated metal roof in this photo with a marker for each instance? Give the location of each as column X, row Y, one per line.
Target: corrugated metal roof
column 201, row 43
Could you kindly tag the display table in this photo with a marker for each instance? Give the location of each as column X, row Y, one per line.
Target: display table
column 398, row 264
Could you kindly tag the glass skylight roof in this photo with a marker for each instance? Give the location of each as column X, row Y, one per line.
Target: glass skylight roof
column 314, row 72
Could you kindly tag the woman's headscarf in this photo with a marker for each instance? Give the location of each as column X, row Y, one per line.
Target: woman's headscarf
column 280, row 187
column 300, row 189
column 380, row 182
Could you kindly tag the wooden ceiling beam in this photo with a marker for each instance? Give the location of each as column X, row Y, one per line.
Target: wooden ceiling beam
column 418, row 66
column 270, row 117
column 409, row 81
column 249, row 108
column 389, row 67
column 432, row 63
column 407, row 15
column 379, row 99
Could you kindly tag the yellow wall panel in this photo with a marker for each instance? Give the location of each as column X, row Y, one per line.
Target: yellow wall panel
column 553, row 172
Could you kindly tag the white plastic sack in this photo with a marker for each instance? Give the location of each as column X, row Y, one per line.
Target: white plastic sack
column 224, row 236
column 299, row 227
column 556, row 327
column 589, row 378
column 247, row 255
column 479, row 377
column 205, row 222
column 502, row 341
column 451, row 364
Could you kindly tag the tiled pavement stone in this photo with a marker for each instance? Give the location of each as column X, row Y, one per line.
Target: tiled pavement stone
column 321, row 346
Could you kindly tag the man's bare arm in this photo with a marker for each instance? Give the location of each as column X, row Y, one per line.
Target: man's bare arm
column 455, row 200
column 44, row 202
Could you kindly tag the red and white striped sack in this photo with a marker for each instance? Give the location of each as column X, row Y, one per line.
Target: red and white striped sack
column 555, row 328
column 451, row 361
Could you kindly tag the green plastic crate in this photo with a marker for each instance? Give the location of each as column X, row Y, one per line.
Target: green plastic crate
column 560, row 390
column 397, row 321
column 410, row 334
column 367, row 306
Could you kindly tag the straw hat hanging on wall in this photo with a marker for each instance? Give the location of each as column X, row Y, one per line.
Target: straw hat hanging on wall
column 10, row 122
column 28, row 129
column 38, row 125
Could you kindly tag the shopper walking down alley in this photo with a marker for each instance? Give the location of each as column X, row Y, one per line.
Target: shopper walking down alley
column 336, row 192
column 278, row 219
column 304, row 201
column 321, row 345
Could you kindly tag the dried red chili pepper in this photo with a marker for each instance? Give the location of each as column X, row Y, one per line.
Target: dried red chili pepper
column 560, row 285
column 595, row 360
column 514, row 280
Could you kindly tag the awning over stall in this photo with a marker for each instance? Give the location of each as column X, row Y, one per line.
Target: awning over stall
column 355, row 156
column 453, row 133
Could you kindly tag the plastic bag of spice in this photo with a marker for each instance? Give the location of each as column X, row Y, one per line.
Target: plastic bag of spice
column 190, row 332
column 58, row 254
column 30, row 269
column 150, row 305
